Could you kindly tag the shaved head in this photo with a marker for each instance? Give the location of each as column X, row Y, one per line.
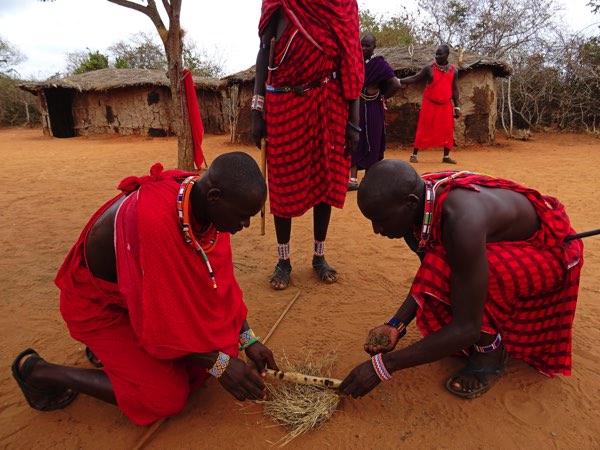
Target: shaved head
column 237, row 173
column 386, row 181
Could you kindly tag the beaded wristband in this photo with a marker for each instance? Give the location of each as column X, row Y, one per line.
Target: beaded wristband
column 220, row 365
column 380, row 368
column 395, row 322
column 258, row 103
column 247, row 338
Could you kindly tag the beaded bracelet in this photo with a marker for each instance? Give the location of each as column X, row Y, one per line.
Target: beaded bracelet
column 395, row 322
column 220, row 365
column 380, row 369
column 258, row 103
column 247, row 338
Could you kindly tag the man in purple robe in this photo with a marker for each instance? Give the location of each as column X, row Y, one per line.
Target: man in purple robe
column 380, row 83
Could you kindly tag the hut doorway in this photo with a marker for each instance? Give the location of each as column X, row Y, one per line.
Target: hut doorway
column 60, row 112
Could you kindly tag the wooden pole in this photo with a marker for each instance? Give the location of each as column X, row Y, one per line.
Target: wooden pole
column 263, row 170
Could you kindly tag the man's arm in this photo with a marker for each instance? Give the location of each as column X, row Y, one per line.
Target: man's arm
column 392, row 86
column 424, row 74
column 464, row 239
column 260, row 80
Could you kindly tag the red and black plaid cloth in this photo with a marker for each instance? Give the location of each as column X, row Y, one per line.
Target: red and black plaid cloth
column 306, row 134
column 533, row 284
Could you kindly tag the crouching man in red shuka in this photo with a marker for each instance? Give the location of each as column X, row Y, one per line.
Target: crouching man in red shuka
column 497, row 276
column 149, row 289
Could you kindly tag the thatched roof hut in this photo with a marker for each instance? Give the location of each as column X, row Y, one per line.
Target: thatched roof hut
column 123, row 101
column 477, row 85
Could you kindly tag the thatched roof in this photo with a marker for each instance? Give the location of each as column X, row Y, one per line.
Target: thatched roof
column 407, row 61
column 106, row 79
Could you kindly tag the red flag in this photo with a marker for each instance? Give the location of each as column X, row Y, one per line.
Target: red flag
column 194, row 115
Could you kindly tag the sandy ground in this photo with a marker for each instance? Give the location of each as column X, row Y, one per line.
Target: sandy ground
column 50, row 187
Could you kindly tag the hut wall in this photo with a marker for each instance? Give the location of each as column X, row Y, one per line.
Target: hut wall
column 128, row 111
column 213, row 111
column 478, row 107
column 239, row 99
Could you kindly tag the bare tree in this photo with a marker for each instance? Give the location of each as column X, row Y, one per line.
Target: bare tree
column 140, row 51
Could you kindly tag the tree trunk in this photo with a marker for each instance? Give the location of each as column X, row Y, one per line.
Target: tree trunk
column 173, row 49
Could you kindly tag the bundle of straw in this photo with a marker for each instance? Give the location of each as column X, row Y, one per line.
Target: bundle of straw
column 300, row 407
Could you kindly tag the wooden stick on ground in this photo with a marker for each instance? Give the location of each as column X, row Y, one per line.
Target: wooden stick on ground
column 281, row 316
column 149, row 433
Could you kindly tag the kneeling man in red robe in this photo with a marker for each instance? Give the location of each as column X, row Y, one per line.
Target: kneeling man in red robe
column 149, row 288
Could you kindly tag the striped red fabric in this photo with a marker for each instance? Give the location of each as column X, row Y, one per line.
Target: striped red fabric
column 533, row 284
column 306, row 133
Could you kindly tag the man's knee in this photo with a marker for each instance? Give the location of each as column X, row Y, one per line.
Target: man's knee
column 145, row 404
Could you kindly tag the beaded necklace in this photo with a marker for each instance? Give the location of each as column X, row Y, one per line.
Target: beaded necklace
column 430, row 192
column 183, row 211
column 443, row 69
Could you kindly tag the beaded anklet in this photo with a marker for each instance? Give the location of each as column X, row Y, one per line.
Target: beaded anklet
column 283, row 250
column 220, row 365
column 489, row 348
column 319, row 248
column 247, row 338
column 380, row 368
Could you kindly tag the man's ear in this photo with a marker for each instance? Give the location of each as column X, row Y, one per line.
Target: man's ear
column 214, row 195
column 412, row 201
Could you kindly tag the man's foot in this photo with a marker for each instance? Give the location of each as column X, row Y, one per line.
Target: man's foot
column 326, row 273
column 448, row 160
column 479, row 375
column 38, row 397
column 353, row 184
column 281, row 276
column 414, row 159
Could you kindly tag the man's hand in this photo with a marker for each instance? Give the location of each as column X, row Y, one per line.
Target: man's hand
column 382, row 339
column 259, row 130
column 360, row 381
column 242, row 382
column 352, row 137
column 262, row 357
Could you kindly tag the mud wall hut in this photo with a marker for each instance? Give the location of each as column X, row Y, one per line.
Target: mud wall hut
column 121, row 101
column 477, row 85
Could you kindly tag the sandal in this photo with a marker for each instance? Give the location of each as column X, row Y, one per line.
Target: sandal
column 486, row 375
column 40, row 399
column 353, row 184
column 281, row 274
column 93, row 359
column 414, row 159
column 324, row 271
column 448, row 160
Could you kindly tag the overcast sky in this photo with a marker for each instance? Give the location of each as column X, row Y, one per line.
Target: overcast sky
column 46, row 32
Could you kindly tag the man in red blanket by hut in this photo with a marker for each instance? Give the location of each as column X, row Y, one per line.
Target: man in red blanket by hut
column 310, row 106
column 436, row 118
column 149, row 289
column 497, row 277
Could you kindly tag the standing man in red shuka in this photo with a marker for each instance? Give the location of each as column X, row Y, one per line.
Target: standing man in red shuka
column 436, row 119
column 307, row 108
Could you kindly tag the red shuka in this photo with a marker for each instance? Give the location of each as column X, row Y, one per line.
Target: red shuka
column 436, row 120
column 163, row 307
column 533, row 284
column 306, row 133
